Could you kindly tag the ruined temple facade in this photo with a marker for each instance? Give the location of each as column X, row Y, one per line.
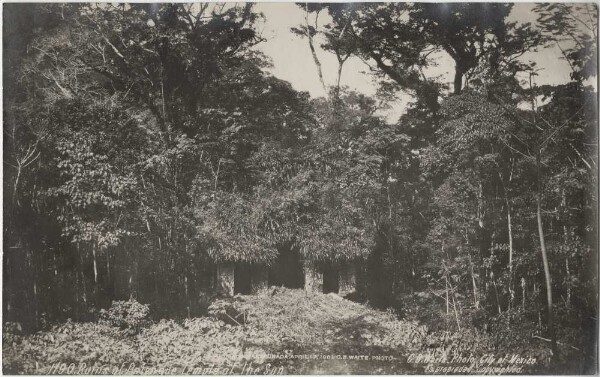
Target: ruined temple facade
column 314, row 277
column 242, row 278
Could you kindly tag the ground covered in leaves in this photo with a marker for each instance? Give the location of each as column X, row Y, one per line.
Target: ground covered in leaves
column 281, row 332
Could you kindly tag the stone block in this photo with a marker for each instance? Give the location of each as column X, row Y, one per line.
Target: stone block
column 313, row 278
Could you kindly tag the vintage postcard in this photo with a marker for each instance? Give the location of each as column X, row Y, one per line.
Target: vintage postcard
column 278, row 188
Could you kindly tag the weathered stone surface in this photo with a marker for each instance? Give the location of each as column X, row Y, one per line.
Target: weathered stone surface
column 225, row 278
column 313, row 278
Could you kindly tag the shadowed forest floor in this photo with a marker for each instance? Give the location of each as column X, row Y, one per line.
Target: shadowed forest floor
column 285, row 332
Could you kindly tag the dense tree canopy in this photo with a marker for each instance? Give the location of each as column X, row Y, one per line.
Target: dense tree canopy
column 144, row 144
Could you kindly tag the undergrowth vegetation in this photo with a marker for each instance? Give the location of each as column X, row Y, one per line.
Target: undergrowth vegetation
column 126, row 315
column 287, row 323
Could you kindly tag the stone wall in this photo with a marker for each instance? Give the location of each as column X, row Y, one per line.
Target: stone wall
column 313, row 278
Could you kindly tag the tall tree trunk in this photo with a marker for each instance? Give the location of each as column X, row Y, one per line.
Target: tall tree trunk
column 475, row 293
column 456, row 316
column 391, row 238
column 341, row 60
column 95, row 266
column 545, row 256
column 447, row 299
column 485, row 240
column 16, row 185
column 510, row 256
column 339, row 78
column 523, row 288
column 496, row 294
column 458, row 80
column 511, row 288
column 566, row 242
column 95, row 292
column 313, row 51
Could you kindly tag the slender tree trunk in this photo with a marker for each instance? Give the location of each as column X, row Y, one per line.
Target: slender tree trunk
column 545, row 257
column 314, row 52
column 510, row 255
column 447, row 298
column 391, row 238
column 448, row 284
column 339, row 78
column 341, row 61
column 496, row 294
column 16, row 185
column 523, row 288
column 485, row 240
column 480, row 208
column 510, row 238
column 131, row 283
column 458, row 80
column 95, row 263
column 95, row 266
column 475, row 293
column 566, row 241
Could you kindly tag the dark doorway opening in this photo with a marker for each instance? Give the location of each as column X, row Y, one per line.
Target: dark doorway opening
column 242, row 281
column 331, row 278
column 287, row 271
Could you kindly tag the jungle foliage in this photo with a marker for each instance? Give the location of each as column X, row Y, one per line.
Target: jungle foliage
column 143, row 143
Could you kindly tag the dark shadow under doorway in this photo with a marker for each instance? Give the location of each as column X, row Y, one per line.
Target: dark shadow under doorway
column 331, row 278
column 287, row 271
column 242, row 280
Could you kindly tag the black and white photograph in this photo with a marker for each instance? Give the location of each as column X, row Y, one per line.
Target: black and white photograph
column 280, row 188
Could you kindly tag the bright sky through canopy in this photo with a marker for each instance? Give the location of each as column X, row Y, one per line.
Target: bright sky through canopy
column 292, row 60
